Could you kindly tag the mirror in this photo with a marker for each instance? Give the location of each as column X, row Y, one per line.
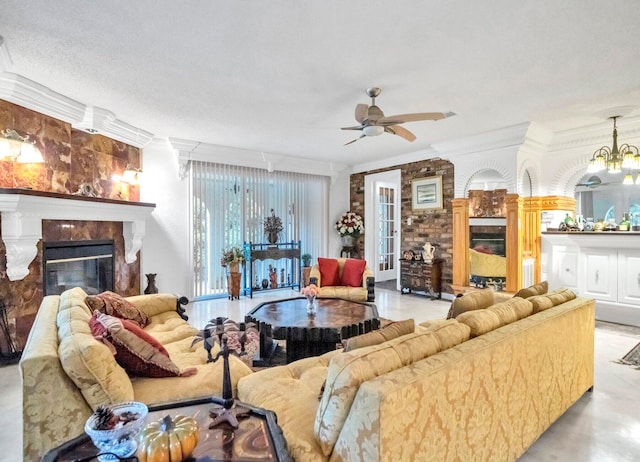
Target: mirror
column 602, row 196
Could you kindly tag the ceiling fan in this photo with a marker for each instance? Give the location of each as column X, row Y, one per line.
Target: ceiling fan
column 373, row 122
column 593, row 182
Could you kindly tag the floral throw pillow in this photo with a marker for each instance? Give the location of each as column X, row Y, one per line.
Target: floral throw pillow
column 135, row 350
column 115, row 305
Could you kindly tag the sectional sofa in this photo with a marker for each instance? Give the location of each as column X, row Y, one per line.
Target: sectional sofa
column 482, row 386
column 66, row 372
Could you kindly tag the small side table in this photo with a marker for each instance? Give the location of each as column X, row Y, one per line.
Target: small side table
column 350, row 251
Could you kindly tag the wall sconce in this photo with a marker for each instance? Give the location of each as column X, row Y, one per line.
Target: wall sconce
column 131, row 176
column 19, row 148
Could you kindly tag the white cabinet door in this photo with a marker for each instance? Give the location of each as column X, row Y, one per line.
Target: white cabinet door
column 564, row 267
column 629, row 276
column 600, row 279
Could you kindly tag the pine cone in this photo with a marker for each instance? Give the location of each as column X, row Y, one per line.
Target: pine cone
column 105, row 418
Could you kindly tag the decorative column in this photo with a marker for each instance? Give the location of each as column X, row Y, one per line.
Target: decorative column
column 513, row 243
column 460, row 242
column 531, row 234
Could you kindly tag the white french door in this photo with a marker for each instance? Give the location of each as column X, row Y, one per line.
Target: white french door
column 382, row 220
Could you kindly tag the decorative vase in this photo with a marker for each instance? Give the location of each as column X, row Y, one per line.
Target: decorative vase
column 151, row 284
column 272, row 236
column 234, row 267
column 347, row 241
column 311, row 306
column 265, row 283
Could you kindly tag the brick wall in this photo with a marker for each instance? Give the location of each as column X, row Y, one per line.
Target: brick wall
column 434, row 226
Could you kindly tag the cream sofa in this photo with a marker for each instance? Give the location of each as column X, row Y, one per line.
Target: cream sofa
column 364, row 293
column 56, row 403
column 435, row 395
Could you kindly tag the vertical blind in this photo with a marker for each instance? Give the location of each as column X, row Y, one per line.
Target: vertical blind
column 228, row 207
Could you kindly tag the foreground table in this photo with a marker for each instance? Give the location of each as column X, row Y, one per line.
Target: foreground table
column 336, row 319
column 258, row 437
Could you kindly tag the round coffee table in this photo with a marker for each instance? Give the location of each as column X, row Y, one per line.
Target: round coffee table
column 335, row 319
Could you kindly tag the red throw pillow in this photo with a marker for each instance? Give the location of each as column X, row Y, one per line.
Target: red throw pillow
column 135, row 350
column 115, row 305
column 352, row 272
column 329, row 275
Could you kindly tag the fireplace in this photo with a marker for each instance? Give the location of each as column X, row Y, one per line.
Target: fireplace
column 488, row 239
column 85, row 264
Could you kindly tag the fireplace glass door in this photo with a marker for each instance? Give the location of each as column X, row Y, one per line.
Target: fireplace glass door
column 84, row 264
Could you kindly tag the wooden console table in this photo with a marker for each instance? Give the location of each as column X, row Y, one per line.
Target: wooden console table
column 258, row 437
column 260, row 252
column 421, row 276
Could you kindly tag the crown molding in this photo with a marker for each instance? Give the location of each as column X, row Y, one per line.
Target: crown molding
column 187, row 150
column 32, row 95
column 513, row 135
column 6, row 62
column 416, row 156
column 596, row 134
column 27, row 93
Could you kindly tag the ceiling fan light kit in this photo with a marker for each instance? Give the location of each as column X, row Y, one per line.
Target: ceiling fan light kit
column 373, row 130
column 374, row 123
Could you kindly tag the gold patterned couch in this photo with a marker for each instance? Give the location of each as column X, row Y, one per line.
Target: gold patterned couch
column 436, row 394
column 55, row 406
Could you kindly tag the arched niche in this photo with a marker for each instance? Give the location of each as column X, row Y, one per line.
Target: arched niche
column 486, row 180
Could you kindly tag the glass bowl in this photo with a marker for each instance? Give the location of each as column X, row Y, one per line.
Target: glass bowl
column 121, row 440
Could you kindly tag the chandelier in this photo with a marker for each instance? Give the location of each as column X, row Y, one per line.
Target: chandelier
column 615, row 159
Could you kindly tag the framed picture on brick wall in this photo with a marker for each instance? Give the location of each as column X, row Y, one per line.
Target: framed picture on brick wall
column 426, row 193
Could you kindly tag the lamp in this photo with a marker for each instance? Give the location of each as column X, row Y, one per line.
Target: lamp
column 19, row 148
column 131, row 175
column 614, row 160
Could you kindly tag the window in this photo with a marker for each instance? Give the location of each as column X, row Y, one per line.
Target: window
column 229, row 204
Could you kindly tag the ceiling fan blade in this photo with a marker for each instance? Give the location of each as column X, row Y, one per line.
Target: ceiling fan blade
column 402, row 118
column 353, row 141
column 361, row 112
column 401, row 132
column 357, row 127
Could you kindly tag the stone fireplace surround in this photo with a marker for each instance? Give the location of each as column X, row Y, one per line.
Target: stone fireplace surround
column 29, row 218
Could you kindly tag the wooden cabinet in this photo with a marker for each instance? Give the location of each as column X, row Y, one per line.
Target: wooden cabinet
column 285, row 259
column 416, row 275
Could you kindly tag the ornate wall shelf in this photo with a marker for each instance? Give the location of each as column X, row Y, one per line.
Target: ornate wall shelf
column 23, row 211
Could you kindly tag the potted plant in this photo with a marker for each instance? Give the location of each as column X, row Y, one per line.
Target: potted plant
column 232, row 257
column 306, row 259
column 350, row 226
column 272, row 228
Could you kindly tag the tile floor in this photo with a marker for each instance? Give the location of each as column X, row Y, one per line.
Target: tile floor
column 603, row 426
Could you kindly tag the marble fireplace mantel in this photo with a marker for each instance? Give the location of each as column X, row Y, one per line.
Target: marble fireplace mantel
column 23, row 211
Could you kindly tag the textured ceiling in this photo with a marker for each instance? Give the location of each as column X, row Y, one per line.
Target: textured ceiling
column 282, row 77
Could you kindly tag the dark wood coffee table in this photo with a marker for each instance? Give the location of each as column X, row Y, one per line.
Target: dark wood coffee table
column 258, row 437
column 336, row 319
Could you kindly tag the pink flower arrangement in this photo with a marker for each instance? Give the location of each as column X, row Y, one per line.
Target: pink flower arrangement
column 310, row 291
